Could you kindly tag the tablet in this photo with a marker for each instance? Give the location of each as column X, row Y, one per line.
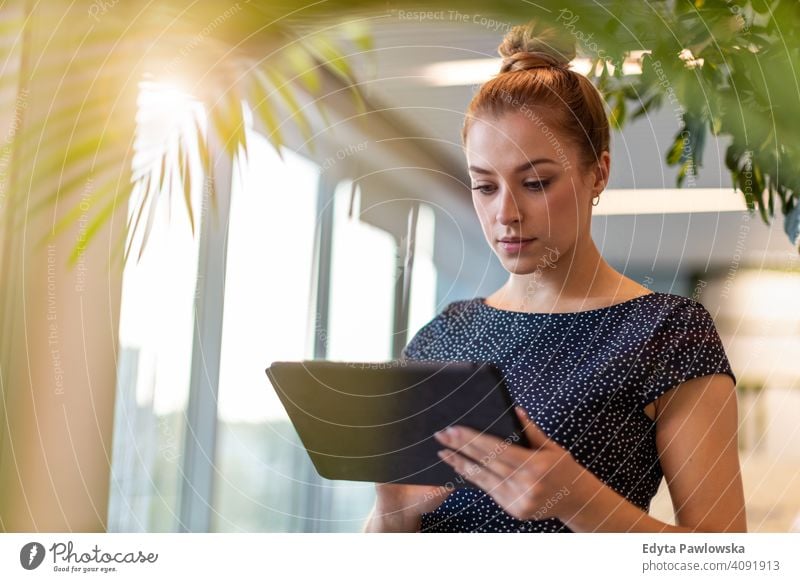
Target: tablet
column 374, row 421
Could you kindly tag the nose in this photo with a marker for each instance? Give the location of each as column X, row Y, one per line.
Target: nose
column 508, row 210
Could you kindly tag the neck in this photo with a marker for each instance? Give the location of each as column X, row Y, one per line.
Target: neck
column 581, row 273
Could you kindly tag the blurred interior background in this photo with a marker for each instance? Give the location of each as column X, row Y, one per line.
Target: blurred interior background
column 343, row 251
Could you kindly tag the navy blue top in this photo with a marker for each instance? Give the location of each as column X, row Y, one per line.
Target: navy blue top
column 584, row 377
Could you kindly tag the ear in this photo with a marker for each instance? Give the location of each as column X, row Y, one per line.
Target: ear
column 602, row 171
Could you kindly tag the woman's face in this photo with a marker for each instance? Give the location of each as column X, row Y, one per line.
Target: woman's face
column 527, row 183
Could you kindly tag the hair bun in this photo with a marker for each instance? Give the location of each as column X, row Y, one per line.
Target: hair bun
column 526, row 47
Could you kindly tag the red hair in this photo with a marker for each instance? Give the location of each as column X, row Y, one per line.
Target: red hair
column 535, row 74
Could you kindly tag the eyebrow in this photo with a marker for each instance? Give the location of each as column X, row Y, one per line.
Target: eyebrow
column 521, row 168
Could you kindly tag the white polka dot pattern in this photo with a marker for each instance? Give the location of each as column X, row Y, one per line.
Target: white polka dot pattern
column 584, row 377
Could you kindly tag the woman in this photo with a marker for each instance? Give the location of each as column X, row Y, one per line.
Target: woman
column 616, row 385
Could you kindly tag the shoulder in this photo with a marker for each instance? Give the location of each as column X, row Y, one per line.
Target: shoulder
column 672, row 299
column 455, row 308
column 442, row 324
column 678, row 321
column 686, row 312
column 684, row 345
column 452, row 314
column 671, row 308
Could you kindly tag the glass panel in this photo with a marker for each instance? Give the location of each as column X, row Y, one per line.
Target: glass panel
column 363, row 271
column 155, row 339
column 422, row 306
column 261, row 463
column 266, row 481
column 363, row 274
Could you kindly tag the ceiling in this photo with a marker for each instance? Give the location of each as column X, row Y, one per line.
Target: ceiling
column 391, row 78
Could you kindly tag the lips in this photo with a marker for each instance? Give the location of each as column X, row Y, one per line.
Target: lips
column 514, row 246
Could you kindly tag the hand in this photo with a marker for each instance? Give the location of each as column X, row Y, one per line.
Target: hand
column 399, row 507
column 528, row 483
column 416, row 499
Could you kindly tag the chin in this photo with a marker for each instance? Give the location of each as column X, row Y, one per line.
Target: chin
column 521, row 266
column 527, row 263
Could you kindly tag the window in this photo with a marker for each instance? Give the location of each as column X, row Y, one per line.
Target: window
column 155, row 347
column 260, row 463
column 363, row 273
column 422, row 304
column 263, row 479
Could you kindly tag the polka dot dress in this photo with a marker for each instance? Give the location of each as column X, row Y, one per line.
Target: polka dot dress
column 584, row 377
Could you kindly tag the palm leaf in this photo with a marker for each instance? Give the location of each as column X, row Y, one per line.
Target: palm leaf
column 281, row 84
column 186, row 180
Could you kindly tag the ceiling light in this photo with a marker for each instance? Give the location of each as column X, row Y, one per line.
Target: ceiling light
column 477, row 71
column 669, row 201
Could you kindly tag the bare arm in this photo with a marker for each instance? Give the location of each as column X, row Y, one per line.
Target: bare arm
column 697, row 441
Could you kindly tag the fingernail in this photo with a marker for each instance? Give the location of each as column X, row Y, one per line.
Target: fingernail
column 451, row 431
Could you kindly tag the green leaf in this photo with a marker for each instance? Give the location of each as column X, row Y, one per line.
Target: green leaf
column 716, row 125
column 145, row 188
column 618, row 113
column 675, row 152
column 281, row 84
column 68, row 188
column 686, row 169
column 70, row 218
column 333, row 59
column 303, row 64
column 358, row 32
column 741, row 182
column 117, row 249
column 186, row 181
column 228, row 120
column 758, row 191
column 210, row 187
column 97, row 223
column 202, row 148
column 162, row 174
column 262, row 106
column 771, row 197
column 205, row 162
column 148, row 226
column 330, row 55
column 648, row 106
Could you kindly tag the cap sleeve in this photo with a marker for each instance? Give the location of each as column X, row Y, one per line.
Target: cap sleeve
column 430, row 332
column 411, row 349
column 686, row 346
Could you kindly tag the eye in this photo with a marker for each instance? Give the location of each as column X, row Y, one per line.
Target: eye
column 484, row 188
column 537, row 186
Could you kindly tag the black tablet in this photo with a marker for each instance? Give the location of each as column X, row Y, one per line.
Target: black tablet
column 374, row 421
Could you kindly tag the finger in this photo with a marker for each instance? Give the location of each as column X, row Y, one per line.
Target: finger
column 537, row 438
column 498, row 488
column 482, row 476
column 482, row 447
